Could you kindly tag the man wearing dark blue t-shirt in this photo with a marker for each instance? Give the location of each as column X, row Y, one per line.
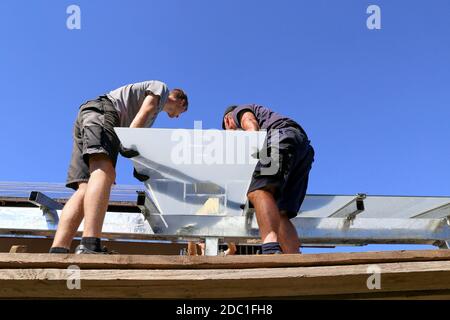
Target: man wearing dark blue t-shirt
column 276, row 195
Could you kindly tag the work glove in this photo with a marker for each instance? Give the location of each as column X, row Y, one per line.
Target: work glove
column 141, row 177
column 128, row 152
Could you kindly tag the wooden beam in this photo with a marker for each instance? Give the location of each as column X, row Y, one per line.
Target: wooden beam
column 32, row 261
column 225, row 283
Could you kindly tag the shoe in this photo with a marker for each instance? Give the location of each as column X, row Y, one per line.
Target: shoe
column 81, row 249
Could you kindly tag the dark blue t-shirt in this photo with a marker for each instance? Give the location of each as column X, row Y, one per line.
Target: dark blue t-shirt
column 267, row 119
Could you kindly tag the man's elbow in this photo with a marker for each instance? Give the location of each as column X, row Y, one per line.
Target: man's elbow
column 147, row 109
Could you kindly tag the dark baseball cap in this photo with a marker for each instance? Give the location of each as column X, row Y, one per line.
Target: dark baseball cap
column 227, row 110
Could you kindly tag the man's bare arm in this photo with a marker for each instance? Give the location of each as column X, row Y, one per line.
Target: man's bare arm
column 249, row 122
column 147, row 110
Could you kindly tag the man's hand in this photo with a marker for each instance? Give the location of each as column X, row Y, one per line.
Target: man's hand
column 139, row 176
column 128, row 152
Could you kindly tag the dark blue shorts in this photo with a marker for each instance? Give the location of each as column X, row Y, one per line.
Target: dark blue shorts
column 290, row 179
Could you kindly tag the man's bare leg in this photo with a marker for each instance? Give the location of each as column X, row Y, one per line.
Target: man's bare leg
column 231, row 250
column 192, row 249
column 71, row 217
column 287, row 235
column 96, row 198
column 267, row 214
column 202, row 246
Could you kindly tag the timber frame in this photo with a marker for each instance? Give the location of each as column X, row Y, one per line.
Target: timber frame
column 403, row 275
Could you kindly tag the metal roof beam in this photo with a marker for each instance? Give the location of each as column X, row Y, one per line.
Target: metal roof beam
column 48, row 206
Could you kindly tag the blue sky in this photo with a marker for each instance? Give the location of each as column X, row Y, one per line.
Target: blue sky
column 375, row 103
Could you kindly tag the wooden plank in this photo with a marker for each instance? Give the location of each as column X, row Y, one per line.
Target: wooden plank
column 226, row 283
column 227, row 262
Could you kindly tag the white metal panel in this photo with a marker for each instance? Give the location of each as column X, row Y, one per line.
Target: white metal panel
column 386, row 207
column 185, row 172
column 400, row 207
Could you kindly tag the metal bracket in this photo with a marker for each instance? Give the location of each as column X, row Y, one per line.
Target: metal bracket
column 48, row 206
column 211, row 246
column 145, row 204
column 151, row 212
column 351, row 209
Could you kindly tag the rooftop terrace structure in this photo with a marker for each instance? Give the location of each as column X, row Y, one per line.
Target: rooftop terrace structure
column 150, row 226
column 32, row 211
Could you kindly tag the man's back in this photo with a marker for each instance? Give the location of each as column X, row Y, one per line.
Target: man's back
column 267, row 119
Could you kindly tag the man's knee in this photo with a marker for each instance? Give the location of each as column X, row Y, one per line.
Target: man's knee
column 258, row 195
column 103, row 163
column 82, row 186
column 252, row 196
column 284, row 216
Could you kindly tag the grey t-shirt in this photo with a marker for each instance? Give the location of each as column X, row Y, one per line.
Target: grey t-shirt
column 128, row 100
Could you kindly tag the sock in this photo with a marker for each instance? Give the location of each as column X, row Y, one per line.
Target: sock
column 271, row 248
column 91, row 243
column 58, row 250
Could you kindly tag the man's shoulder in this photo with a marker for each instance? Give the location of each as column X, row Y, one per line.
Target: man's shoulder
column 150, row 83
column 144, row 85
column 249, row 106
column 253, row 107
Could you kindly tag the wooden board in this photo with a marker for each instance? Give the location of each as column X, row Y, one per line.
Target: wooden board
column 229, row 262
column 226, row 283
column 404, row 274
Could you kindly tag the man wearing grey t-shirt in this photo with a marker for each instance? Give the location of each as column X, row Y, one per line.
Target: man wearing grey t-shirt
column 95, row 151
